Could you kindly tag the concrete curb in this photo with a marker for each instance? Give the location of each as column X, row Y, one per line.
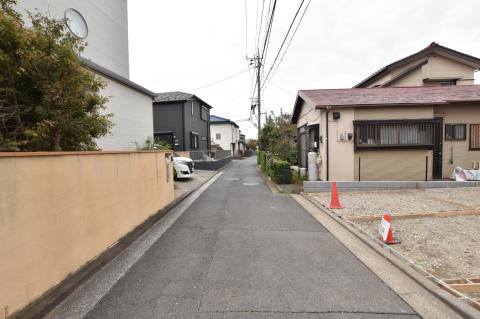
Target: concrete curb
column 429, row 282
column 57, row 294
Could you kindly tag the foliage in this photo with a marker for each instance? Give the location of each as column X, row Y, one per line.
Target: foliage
column 278, row 136
column 153, row 144
column 252, row 144
column 262, row 160
column 280, row 171
column 48, row 101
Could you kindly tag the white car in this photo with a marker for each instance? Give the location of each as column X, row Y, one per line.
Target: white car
column 183, row 166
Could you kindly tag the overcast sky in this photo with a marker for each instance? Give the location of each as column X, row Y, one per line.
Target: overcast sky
column 182, row 45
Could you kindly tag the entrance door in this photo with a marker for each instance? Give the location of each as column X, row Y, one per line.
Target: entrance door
column 437, row 148
column 302, row 147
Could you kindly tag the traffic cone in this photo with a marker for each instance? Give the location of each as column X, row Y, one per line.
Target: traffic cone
column 334, row 201
column 385, row 230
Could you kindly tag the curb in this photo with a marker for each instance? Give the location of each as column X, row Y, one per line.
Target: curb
column 429, row 282
column 57, row 294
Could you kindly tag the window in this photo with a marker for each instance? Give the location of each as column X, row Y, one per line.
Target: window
column 475, row 136
column 401, row 133
column 194, row 140
column 203, row 113
column 455, row 132
column 218, row 136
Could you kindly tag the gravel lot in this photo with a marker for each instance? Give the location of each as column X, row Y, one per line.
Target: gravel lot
column 446, row 247
column 398, row 201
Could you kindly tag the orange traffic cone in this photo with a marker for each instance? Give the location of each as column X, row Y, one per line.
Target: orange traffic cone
column 385, row 230
column 334, row 201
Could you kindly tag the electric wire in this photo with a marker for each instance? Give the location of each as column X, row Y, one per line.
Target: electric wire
column 219, row 81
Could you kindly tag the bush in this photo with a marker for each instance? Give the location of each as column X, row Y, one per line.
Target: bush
column 263, row 160
column 280, row 172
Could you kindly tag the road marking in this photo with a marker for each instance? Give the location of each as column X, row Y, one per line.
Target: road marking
column 232, row 178
column 250, row 184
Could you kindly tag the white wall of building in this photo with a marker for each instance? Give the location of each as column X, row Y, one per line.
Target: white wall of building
column 229, row 134
column 132, row 117
column 107, row 22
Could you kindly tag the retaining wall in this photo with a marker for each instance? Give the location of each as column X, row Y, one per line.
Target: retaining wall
column 319, row 186
column 212, row 165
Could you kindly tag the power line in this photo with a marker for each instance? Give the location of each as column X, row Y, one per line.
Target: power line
column 290, row 42
column 246, row 29
column 284, row 39
column 269, row 29
column 219, row 81
column 261, row 23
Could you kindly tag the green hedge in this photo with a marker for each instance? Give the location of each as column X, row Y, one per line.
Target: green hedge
column 280, row 172
column 262, row 160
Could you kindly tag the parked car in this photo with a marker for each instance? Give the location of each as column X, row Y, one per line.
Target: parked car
column 183, row 166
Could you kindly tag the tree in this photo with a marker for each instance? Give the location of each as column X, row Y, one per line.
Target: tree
column 252, row 144
column 278, row 136
column 48, row 101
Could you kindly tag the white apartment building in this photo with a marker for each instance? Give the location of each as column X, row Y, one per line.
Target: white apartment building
column 104, row 25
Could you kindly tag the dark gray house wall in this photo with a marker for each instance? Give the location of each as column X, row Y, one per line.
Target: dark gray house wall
column 177, row 117
column 168, row 117
column 195, row 124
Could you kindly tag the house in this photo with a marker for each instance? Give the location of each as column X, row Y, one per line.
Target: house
column 435, row 65
column 182, row 120
column 104, row 25
column 225, row 134
column 415, row 119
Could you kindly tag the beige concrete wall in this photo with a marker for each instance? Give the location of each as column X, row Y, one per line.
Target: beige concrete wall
column 57, row 212
column 457, row 153
column 341, row 149
column 400, row 164
column 437, row 67
column 394, row 113
column 393, row 165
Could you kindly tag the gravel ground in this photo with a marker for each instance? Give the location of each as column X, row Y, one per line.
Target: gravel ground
column 383, row 202
column 446, row 247
column 468, row 196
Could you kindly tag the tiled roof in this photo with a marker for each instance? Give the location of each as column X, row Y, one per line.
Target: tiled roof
column 178, row 96
column 173, row 96
column 394, row 95
column 420, row 95
column 221, row 120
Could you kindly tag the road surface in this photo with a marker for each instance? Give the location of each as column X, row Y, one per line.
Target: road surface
column 240, row 251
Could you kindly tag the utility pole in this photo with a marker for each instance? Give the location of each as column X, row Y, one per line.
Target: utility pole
column 258, row 65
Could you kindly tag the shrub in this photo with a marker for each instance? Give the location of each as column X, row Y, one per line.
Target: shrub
column 263, row 160
column 280, row 172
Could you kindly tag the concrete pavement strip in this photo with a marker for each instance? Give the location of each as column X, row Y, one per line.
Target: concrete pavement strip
column 84, row 299
column 429, row 300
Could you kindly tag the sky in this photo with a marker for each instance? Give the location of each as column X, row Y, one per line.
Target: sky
column 185, row 45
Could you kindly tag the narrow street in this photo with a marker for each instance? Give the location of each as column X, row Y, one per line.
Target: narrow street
column 240, row 251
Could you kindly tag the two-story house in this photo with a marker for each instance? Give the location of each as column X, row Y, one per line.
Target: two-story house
column 182, row 120
column 415, row 119
column 225, row 133
column 104, row 25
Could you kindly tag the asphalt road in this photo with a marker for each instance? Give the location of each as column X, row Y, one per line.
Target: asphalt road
column 241, row 251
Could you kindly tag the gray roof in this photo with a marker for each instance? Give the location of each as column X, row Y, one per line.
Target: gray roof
column 177, row 96
column 114, row 76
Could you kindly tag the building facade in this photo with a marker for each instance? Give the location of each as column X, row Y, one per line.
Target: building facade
column 104, row 26
column 182, row 120
column 415, row 119
column 225, row 134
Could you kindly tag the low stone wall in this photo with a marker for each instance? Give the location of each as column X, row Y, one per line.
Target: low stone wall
column 58, row 211
column 319, row 186
column 212, row 165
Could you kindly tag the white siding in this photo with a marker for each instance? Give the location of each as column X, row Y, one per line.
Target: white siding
column 229, row 134
column 107, row 28
column 133, row 117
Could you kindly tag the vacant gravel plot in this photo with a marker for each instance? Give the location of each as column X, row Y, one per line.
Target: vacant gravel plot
column 446, row 247
column 398, row 201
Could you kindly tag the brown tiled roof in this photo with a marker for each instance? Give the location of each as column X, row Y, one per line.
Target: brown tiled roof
column 394, row 95
column 432, row 48
column 420, row 95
